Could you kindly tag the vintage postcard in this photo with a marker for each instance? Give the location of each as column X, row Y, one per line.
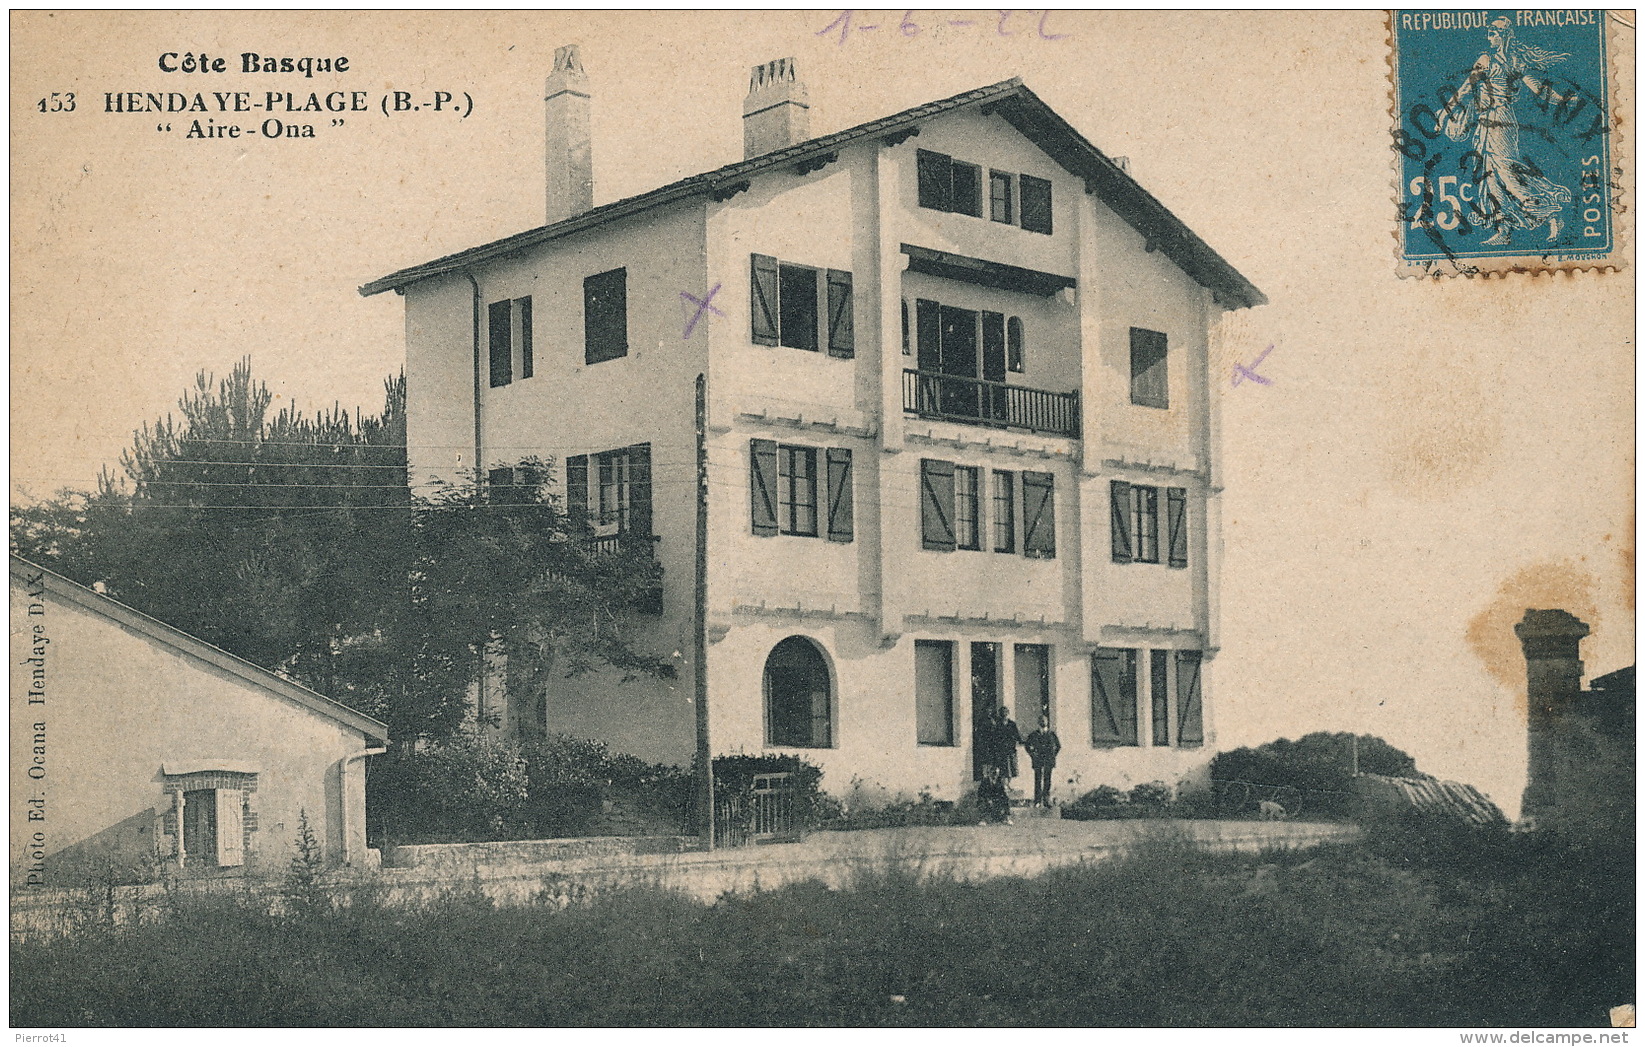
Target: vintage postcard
column 822, row 518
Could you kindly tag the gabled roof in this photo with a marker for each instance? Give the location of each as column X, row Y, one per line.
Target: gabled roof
column 1014, row 102
column 153, row 629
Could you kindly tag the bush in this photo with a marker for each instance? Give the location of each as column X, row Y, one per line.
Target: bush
column 465, row 789
column 1151, row 793
column 1318, row 764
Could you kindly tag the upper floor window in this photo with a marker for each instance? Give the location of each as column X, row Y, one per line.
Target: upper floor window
column 1002, row 197
column 1013, row 345
column 1148, row 375
column 605, row 316
column 951, row 505
column 510, row 322
column 785, row 485
column 1134, row 523
column 801, row 307
column 611, row 490
column 947, row 184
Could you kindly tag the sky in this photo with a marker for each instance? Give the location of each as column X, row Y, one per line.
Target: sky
column 1430, row 458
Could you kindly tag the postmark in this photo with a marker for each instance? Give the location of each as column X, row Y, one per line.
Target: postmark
column 1505, row 145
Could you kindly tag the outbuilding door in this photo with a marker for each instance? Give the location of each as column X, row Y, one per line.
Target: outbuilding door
column 200, row 826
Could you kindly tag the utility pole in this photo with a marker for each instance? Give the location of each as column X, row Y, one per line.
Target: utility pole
column 699, row 656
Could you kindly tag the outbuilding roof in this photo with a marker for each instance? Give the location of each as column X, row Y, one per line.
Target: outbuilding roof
column 153, row 629
column 1013, row 101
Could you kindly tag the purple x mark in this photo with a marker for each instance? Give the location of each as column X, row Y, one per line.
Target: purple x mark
column 703, row 306
column 1241, row 372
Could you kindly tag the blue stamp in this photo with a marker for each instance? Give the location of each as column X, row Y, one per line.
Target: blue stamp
column 1504, row 140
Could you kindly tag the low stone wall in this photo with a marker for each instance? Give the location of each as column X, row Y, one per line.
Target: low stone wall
column 463, row 859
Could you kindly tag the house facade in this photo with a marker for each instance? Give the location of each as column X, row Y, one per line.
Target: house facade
column 136, row 747
column 962, row 444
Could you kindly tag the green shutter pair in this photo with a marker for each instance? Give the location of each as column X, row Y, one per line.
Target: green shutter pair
column 937, row 510
column 765, row 307
column 1176, row 518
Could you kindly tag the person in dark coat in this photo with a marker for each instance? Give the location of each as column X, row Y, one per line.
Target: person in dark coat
column 1043, row 746
column 992, row 802
column 1006, row 740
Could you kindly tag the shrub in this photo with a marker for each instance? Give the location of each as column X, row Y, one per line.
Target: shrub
column 1319, row 764
column 1151, row 793
column 464, row 789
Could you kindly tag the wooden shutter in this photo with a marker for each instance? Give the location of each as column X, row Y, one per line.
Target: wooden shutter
column 993, row 346
column 1036, row 204
column 839, row 494
column 527, row 364
column 1119, row 519
column 1113, row 696
column 928, row 335
column 762, row 299
column 502, row 366
column 1039, row 537
column 639, row 490
column 1176, row 522
column 1190, row 707
column 231, row 829
column 936, row 175
column 763, row 486
column 937, row 504
column 841, row 341
column 605, row 316
column 576, row 490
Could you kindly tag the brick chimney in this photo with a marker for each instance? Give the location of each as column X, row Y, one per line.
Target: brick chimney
column 1553, row 682
column 776, row 113
column 570, row 183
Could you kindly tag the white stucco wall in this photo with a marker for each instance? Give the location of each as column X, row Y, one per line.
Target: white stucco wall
column 116, row 705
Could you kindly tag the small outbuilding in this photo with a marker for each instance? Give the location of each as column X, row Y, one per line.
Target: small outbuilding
column 136, row 748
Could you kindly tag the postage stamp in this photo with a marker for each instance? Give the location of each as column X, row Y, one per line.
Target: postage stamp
column 1505, row 142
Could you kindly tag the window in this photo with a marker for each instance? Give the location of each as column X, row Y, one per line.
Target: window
column 967, row 189
column 510, row 322
column 616, row 486
column 1039, row 531
column 211, row 817
column 1145, row 524
column 1190, row 705
column 797, row 306
column 1148, row 385
column 504, row 488
column 1134, row 524
column 1005, row 511
column 1036, row 204
column 1013, row 345
column 797, row 490
column 1113, row 696
column 788, row 304
column 967, row 507
column 934, row 692
column 1033, row 684
column 907, row 348
column 783, row 488
column 798, row 696
column 1159, row 692
column 1000, row 200
column 950, row 509
column 605, row 316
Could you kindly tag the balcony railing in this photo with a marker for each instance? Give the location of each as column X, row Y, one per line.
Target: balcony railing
column 973, row 401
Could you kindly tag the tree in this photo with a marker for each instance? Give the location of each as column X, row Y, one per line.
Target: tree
column 295, row 543
column 1320, row 763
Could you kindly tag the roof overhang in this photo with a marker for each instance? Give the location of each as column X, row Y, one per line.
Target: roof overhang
column 1010, row 99
column 984, row 273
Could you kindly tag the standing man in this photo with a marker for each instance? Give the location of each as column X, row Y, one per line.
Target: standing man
column 1007, row 737
column 1043, row 746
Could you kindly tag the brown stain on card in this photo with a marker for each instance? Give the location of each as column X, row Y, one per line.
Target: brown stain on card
column 1556, row 584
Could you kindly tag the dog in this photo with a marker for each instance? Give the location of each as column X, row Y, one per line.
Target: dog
column 1271, row 811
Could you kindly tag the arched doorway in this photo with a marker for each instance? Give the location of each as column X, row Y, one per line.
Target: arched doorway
column 798, row 696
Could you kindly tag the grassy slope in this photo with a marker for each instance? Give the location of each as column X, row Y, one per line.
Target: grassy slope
column 1500, row 934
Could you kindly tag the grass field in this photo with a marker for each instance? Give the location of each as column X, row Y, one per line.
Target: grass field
column 1397, row 930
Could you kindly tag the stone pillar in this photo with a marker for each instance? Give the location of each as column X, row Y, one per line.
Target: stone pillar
column 1553, row 681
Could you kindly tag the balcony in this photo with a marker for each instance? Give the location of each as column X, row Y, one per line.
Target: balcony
column 973, row 401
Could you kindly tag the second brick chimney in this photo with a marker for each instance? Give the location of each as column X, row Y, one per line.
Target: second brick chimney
column 776, row 113
column 567, row 148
